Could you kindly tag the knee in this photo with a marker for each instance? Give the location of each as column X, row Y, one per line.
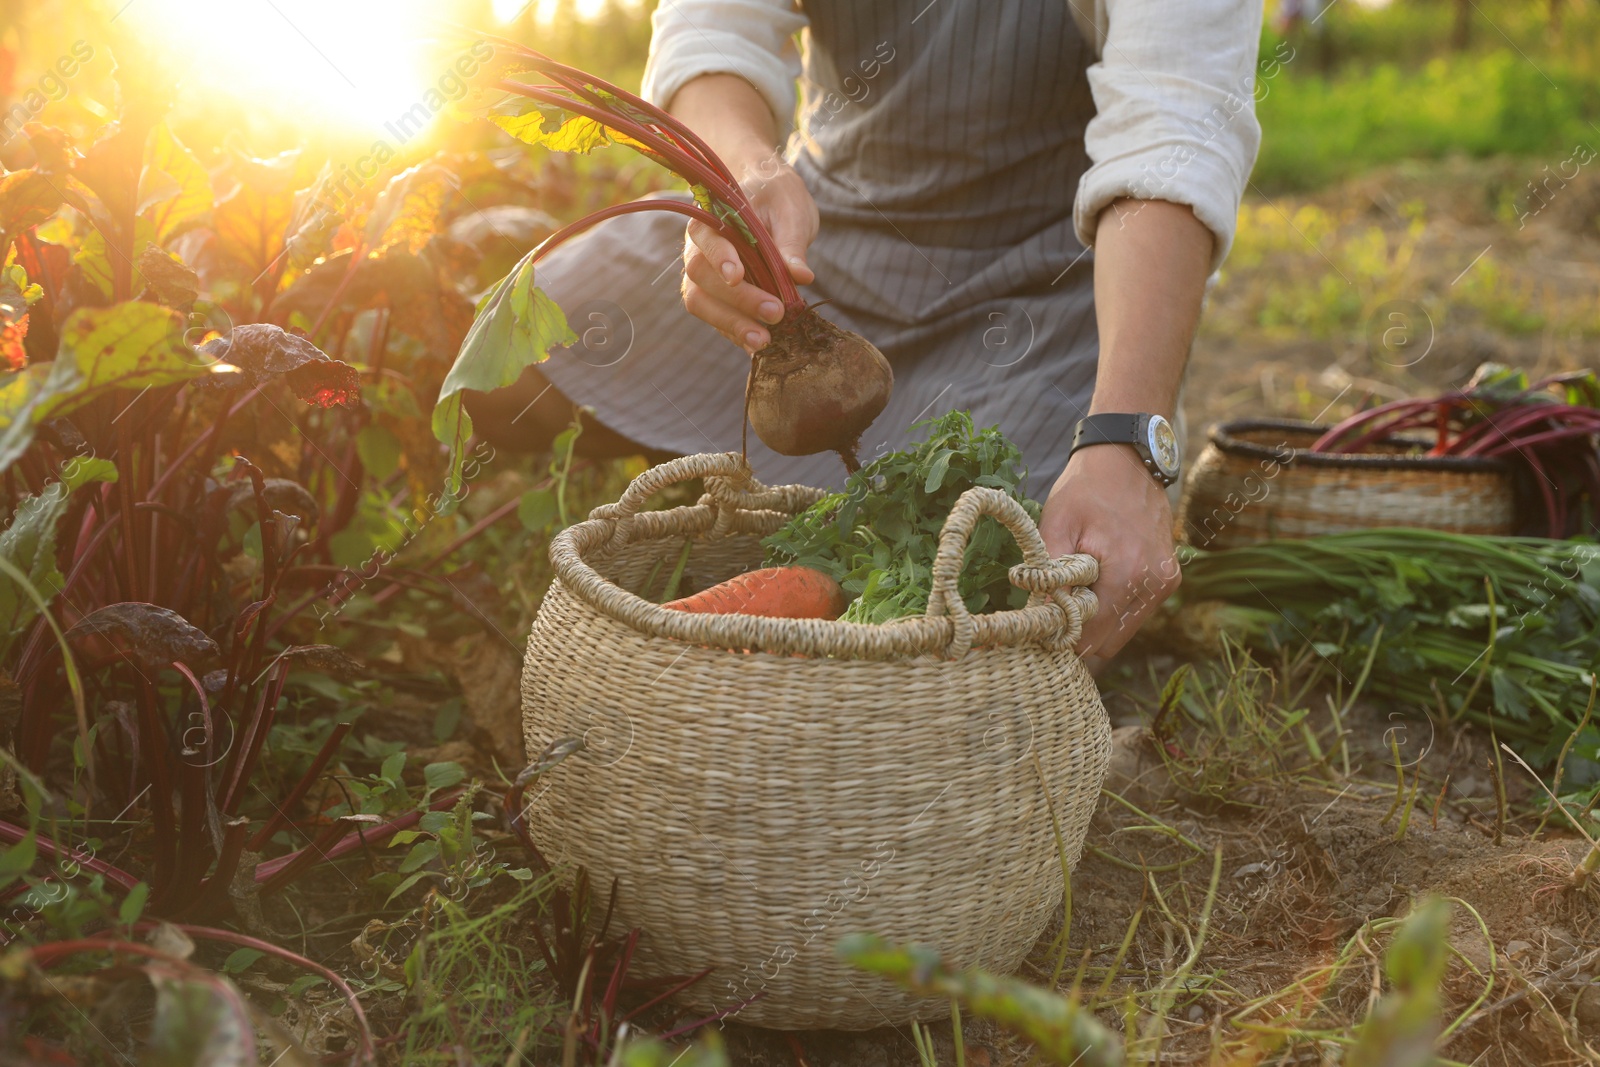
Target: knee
column 523, row 417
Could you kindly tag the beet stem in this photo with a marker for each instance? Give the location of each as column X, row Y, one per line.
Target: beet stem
column 687, row 164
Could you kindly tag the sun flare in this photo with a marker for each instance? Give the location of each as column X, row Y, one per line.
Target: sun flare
column 349, row 65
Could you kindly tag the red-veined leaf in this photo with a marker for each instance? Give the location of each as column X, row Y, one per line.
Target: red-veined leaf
column 27, row 198
column 252, row 220
column 131, row 345
column 265, row 351
column 408, row 211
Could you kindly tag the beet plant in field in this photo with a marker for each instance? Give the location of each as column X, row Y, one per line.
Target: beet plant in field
column 221, row 490
column 211, row 443
column 155, row 509
column 814, row 388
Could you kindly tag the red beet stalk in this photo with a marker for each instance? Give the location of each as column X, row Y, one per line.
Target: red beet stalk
column 669, row 142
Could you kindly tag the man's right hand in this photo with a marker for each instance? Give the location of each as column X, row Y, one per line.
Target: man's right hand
column 734, row 119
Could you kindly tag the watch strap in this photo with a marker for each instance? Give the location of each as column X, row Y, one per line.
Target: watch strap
column 1107, row 428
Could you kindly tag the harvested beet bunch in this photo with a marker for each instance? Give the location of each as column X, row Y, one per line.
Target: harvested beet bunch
column 814, row 388
column 1548, row 429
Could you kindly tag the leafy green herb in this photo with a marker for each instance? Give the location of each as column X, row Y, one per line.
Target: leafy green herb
column 878, row 537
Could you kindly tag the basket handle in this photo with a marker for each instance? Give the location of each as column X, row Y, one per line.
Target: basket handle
column 673, row 471
column 730, row 487
column 1063, row 580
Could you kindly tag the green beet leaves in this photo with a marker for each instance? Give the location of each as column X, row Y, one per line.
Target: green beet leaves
column 555, row 128
column 515, row 328
column 130, row 345
column 878, row 537
column 29, row 544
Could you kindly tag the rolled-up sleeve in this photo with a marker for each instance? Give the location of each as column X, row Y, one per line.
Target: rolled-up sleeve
column 1174, row 94
column 751, row 38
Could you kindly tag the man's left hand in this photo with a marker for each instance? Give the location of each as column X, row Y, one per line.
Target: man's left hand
column 1107, row 504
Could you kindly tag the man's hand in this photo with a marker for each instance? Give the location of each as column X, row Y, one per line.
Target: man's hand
column 738, row 124
column 1107, row 504
column 714, row 284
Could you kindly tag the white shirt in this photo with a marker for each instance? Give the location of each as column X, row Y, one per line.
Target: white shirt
column 1174, row 91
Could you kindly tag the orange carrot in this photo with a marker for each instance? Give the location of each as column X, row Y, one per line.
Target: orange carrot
column 776, row 592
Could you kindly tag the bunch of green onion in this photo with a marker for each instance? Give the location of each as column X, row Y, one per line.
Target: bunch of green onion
column 1497, row 630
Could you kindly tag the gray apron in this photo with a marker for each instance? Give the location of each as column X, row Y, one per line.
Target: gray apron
column 943, row 142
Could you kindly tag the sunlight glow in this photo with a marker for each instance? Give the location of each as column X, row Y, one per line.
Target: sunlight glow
column 344, row 64
column 507, row 10
column 547, row 11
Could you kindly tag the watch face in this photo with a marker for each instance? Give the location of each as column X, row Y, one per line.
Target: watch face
column 1163, row 445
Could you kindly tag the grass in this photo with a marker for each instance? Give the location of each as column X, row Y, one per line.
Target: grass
column 1320, row 129
column 1376, row 86
column 472, row 990
column 1335, row 272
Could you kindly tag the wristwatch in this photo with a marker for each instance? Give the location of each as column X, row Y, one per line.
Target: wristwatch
column 1150, row 435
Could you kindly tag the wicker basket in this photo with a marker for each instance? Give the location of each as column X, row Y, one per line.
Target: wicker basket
column 762, row 787
column 1257, row 480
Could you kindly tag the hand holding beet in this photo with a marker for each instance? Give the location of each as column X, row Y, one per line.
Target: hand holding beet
column 811, row 388
column 716, row 288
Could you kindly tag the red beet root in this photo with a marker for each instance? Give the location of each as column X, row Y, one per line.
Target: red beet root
column 815, row 388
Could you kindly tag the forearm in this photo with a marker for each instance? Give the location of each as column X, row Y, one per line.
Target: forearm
column 731, row 117
column 1150, row 266
column 1151, row 259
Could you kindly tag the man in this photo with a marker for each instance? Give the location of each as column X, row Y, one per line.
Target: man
column 955, row 164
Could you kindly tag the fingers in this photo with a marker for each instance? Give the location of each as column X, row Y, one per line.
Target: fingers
column 1129, row 589
column 799, row 270
column 1106, row 505
column 740, row 312
column 716, row 288
column 793, row 219
column 793, row 239
column 718, row 252
column 746, row 298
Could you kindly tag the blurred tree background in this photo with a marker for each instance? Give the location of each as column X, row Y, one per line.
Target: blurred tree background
column 1343, row 86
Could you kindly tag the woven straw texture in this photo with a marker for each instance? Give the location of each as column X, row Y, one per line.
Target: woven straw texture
column 1256, row 480
column 763, row 787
